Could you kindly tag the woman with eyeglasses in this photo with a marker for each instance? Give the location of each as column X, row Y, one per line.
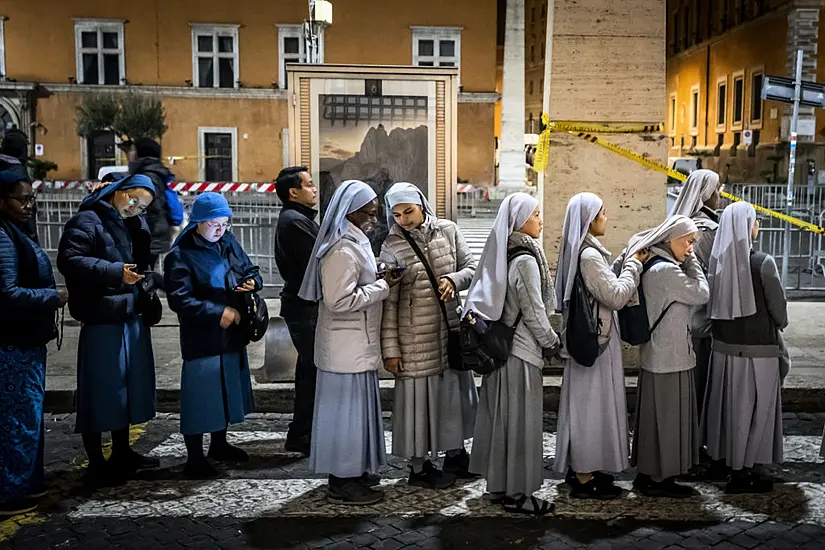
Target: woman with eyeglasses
column 206, row 272
column 28, row 300
column 103, row 255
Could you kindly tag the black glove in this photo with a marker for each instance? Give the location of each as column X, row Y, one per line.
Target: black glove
column 552, row 351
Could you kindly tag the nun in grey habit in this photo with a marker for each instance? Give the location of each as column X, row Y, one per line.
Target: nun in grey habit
column 347, row 427
column 434, row 407
column 666, row 437
column 742, row 423
column 699, row 200
column 507, row 449
column 592, row 430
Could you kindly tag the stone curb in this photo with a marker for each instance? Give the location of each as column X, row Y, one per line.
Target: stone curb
column 280, row 399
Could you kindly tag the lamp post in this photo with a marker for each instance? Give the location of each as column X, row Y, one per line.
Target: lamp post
column 320, row 16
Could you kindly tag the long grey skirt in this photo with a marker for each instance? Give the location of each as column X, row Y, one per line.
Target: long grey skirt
column 347, row 428
column 507, row 449
column 433, row 413
column 592, row 431
column 666, row 438
column 742, row 419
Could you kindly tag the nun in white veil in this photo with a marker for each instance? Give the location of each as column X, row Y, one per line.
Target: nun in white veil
column 434, row 407
column 699, row 199
column 666, row 439
column 347, row 426
column 507, row 448
column 592, row 429
column 742, row 424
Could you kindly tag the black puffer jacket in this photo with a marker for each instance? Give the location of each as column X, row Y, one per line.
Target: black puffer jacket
column 157, row 215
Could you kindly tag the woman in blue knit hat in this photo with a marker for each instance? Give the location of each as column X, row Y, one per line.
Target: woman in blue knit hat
column 205, row 273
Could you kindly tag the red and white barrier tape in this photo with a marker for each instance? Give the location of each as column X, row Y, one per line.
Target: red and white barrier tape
column 221, row 187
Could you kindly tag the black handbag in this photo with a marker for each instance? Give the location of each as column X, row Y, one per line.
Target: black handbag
column 148, row 304
column 455, row 358
column 254, row 316
column 582, row 332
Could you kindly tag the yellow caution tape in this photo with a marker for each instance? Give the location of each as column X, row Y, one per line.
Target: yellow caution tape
column 659, row 167
column 543, row 147
column 590, row 127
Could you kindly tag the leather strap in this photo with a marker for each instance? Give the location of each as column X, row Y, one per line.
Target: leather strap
column 430, row 274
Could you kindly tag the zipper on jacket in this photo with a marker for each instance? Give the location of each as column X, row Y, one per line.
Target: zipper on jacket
column 367, row 328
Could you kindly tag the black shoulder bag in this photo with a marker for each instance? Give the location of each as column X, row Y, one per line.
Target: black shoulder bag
column 582, row 330
column 454, row 358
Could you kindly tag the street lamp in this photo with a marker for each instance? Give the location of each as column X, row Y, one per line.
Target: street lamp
column 320, row 16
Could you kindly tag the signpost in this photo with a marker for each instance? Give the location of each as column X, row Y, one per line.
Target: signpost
column 808, row 94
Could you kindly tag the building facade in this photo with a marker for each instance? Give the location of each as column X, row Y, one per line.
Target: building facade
column 220, row 71
column 718, row 55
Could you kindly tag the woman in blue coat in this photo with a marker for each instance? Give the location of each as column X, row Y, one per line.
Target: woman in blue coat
column 206, row 272
column 28, row 301
column 103, row 253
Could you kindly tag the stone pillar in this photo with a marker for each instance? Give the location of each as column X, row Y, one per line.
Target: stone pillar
column 512, row 168
column 608, row 66
column 803, row 33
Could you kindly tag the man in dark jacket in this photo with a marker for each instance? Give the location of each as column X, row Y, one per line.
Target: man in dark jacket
column 145, row 159
column 294, row 240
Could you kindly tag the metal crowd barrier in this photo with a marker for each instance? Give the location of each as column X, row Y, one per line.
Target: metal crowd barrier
column 253, row 223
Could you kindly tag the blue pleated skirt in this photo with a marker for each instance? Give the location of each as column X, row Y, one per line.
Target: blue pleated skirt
column 115, row 377
column 214, row 392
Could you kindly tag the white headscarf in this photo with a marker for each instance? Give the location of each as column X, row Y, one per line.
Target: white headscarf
column 489, row 287
column 405, row 193
column 581, row 211
column 729, row 272
column 672, row 228
column 698, row 188
column 348, row 198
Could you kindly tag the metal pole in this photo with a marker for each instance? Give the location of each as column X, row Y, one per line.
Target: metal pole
column 545, row 100
column 786, row 252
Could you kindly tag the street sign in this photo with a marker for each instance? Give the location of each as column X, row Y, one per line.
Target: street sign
column 778, row 88
column 747, row 137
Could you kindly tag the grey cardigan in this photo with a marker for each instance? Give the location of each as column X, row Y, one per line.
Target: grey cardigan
column 670, row 348
column 524, row 294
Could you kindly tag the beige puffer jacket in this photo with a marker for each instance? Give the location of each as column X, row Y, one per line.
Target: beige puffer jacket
column 412, row 326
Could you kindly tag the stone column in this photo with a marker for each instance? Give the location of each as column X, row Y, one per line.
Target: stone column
column 512, row 168
column 803, row 33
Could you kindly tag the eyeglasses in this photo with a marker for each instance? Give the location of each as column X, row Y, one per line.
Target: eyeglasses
column 214, row 225
column 135, row 203
column 25, row 201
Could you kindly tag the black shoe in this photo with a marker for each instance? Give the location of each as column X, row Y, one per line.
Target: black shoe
column 369, row 480
column 131, row 462
column 17, row 506
column 299, row 445
column 200, row 469
column 227, row 453
column 459, row 465
column 661, row 489
column 594, row 490
column 742, row 483
column 102, row 475
column 717, row 470
column 39, row 491
column 350, row 491
column 600, row 477
column 431, row 477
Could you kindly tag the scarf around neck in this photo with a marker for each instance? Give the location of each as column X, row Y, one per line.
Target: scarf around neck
column 548, row 292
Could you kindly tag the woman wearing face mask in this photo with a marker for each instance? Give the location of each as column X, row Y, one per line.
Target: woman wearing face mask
column 507, row 448
column 434, row 407
column 103, row 250
column 699, row 199
column 206, row 271
column 28, row 300
column 342, row 275
column 742, row 424
column 592, row 429
column 666, row 438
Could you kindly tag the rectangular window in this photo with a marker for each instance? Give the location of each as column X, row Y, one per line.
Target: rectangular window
column 721, row 102
column 437, row 46
column 100, row 150
column 292, row 49
column 99, row 52
column 218, row 149
column 738, row 99
column 2, row 48
column 532, row 89
column 673, row 115
column 215, row 56
column 533, row 15
column 756, row 96
column 694, row 110
column 686, row 35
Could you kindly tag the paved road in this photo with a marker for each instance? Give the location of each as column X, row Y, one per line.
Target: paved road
column 276, row 502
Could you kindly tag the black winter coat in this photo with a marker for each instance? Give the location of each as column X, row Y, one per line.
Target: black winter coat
column 95, row 245
column 200, row 280
column 157, row 215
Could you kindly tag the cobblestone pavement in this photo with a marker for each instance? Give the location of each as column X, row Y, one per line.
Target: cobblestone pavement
column 275, row 501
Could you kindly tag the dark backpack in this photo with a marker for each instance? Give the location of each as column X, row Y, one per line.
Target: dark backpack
column 634, row 325
column 582, row 331
column 485, row 351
